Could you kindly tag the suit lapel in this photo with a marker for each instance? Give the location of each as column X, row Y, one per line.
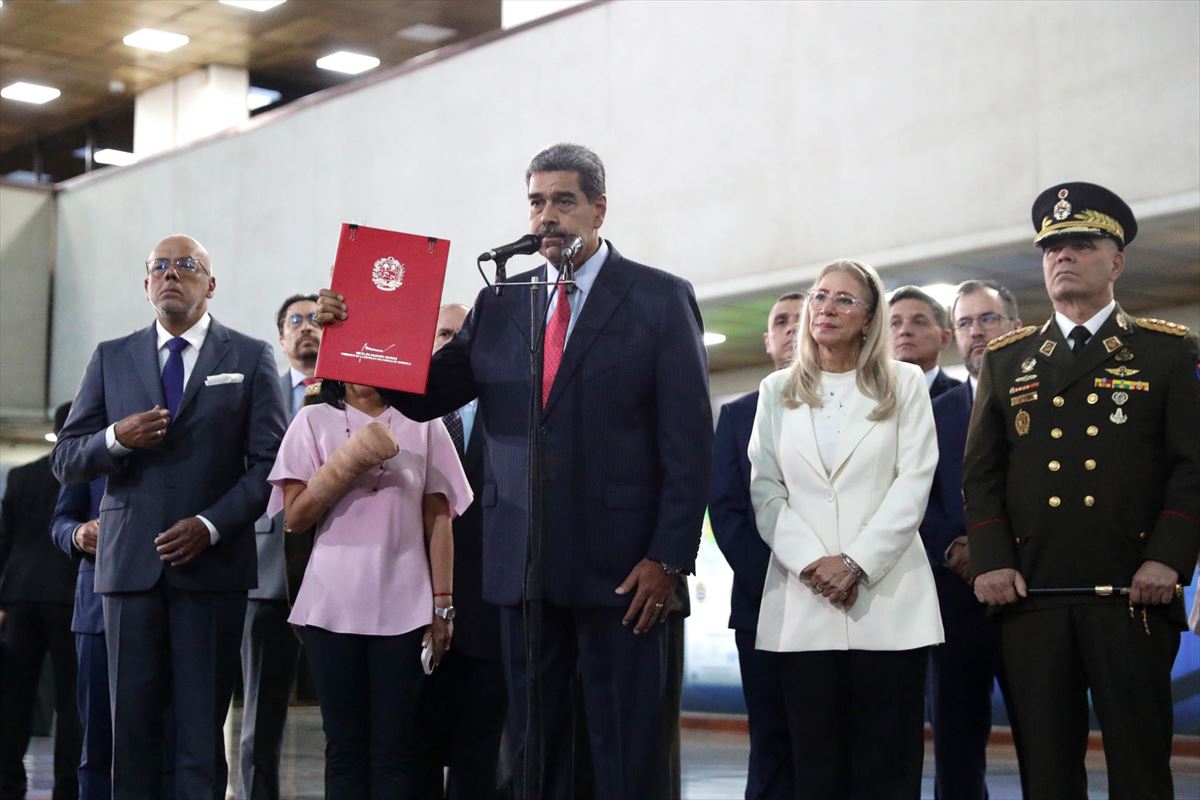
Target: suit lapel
column 1108, row 339
column 143, row 351
column 212, row 353
column 609, row 289
column 857, row 427
column 474, row 453
column 798, row 428
column 285, row 386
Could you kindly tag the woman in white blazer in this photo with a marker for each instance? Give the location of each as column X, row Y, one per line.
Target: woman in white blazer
column 842, row 455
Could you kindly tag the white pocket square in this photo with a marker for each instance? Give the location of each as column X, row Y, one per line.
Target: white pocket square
column 224, row 377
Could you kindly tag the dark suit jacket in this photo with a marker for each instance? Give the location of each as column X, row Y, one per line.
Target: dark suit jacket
column 731, row 514
column 477, row 623
column 268, row 531
column 626, row 432
column 77, row 503
column 213, row 461
column 942, row 383
column 943, row 521
column 31, row 570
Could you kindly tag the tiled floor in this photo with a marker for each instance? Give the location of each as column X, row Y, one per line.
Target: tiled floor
column 714, row 765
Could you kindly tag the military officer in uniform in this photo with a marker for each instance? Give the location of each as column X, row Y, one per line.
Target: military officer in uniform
column 1082, row 469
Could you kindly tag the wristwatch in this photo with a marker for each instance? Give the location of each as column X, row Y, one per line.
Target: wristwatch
column 446, row 613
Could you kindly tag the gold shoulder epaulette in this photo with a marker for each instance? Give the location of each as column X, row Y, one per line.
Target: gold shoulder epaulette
column 1010, row 337
column 1162, row 326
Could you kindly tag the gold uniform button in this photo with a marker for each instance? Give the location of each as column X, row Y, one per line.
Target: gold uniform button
column 1090, row 464
column 1056, row 433
column 1058, row 402
column 1089, row 501
column 1093, row 398
column 1054, row 466
column 1055, row 502
column 1092, row 430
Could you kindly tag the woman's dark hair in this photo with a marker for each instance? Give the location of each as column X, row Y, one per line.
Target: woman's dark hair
column 332, row 392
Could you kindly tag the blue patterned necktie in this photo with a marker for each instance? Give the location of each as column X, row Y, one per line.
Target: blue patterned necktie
column 172, row 375
column 454, row 426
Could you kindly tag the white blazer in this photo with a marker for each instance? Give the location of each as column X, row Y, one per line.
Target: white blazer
column 869, row 509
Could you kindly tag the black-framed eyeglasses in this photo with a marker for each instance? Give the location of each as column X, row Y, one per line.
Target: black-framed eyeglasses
column 818, row 298
column 296, row 319
column 183, row 266
column 989, row 319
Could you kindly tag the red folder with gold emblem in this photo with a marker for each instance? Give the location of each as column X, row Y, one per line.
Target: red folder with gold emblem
column 392, row 283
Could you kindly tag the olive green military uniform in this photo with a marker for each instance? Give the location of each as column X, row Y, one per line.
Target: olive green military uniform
column 1078, row 468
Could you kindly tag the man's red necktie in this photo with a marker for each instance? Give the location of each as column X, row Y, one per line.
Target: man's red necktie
column 556, row 341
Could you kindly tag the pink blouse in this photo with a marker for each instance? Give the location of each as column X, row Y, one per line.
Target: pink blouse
column 369, row 571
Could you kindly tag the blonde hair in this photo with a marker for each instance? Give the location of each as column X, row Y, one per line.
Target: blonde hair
column 875, row 377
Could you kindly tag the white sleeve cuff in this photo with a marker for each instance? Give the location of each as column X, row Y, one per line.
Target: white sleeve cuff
column 213, row 536
column 110, row 441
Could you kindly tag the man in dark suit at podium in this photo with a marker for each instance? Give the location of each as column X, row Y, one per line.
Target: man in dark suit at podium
column 769, row 774
column 626, row 433
column 465, row 700
column 184, row 417
column 961, row 671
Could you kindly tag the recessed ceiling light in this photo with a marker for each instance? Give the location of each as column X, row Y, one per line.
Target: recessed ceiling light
column 118, row 158
column 712, row 338
column 349, row 63
column 942, row 292
column 159, row 41
column 259, row 97
column 429, row 34
column 29, row 92
column 254, row 5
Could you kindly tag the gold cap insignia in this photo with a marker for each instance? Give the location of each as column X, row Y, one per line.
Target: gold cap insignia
column 1062, row 209
column 1087, row 221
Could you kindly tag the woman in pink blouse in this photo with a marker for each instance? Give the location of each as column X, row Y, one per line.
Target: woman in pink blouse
column 381, row 491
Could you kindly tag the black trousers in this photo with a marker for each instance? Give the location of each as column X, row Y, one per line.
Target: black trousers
column 462, row 718
column 269, row 650
column 369, row 689
column 1053, row 658
column 31, row 630
column 769, row 774
column 622, row 680
column 856, row 722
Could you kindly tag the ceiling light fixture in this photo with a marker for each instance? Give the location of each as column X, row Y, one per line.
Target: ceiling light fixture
column 349, row 63
column 259, row 97
column 254, row 5
column 29, row 93
column 426, row 33
column 712, row 338
column 158, row 41
column 117, row 158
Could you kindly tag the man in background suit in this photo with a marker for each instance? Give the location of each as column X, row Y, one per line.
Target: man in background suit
column 920, row 332
column 769, row 775
column 184, row 417
column 626, row 434
column 269, row 648
column 36, row 586
column 962, row 669
column 465, row 699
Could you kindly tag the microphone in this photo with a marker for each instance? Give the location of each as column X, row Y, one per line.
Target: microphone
column 571, row 247
column 527, row 244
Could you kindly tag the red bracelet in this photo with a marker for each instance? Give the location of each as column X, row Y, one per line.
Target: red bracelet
column 443, row 594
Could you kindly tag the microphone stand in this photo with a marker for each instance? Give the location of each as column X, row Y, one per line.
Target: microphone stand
column 533, row 766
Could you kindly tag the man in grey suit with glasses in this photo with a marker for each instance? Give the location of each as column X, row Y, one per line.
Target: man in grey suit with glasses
column 184, row 417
